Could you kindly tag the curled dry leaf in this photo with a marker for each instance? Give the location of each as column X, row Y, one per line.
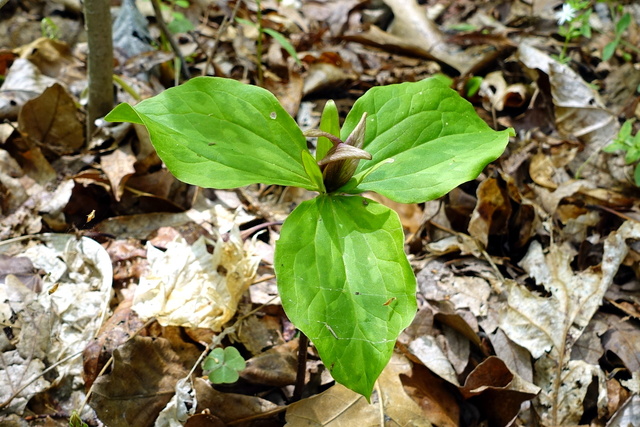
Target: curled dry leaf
column 188, row 286
column 497, row 391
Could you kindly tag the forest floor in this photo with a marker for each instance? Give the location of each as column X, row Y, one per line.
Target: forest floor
column 528, row 277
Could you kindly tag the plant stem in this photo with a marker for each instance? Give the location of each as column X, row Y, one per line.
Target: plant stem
column 167, row 34
column 259, row 44
column 302, row 367
column 97, row 17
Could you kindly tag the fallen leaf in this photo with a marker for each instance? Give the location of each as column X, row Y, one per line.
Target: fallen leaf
column 50, row 121
column 497, row 392
column 141, row 383
column 118, row 166
column 338, row 406
column 492, row 212
column 229, row 407
column 548, row 326
column 188, row 286
column 276, row 366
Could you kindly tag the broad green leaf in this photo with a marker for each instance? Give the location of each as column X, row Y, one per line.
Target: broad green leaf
column 224, row 365
column 345, row 282
column 330, row 123
column 434, row 136
column 220, row 133
column 636, row 175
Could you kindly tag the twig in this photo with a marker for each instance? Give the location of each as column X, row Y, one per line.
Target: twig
column 302, row 367
column 221, row 30
column 28, row 383
column 167, row 34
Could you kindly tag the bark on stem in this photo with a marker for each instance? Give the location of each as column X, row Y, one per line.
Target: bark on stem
column 97, row 17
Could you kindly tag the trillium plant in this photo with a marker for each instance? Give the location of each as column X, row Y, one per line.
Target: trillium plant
column 343, row 277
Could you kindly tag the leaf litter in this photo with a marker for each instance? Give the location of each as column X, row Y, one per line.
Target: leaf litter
column 528, row 277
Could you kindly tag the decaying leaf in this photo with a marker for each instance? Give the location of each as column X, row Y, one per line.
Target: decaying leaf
column 50, row 121
column 55, row 324
column 188, row 286
column 548, row 326
column 496, row 391
column 143, row 379
column 228, row 406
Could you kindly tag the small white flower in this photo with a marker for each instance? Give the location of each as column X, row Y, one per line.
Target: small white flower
column 294, row 4
column 566, row 14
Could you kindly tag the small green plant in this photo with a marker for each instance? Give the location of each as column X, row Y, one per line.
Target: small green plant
column 610, row 48
column 49, row 28
column 573, row 20
column 223, row 365
column 343, row 277
column 274, row 34
column 630, row 144
column 76, row 421
column 179, row 23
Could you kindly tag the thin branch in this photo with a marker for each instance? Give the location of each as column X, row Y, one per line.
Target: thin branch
column 303, row 343
column 167, row 34
column 221, row 30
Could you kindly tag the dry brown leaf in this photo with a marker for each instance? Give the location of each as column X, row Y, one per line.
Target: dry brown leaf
column 145, row 372
column 50, row 121
column 338, row 406
column 579, row 110
column 412, row 26
column 497, row 392
column 492, row 212
column 623, row 340
column 229, row 407
column 398, row 406
column 548, row 326
column 122, row 324
column 497, row 94
column 276, row 366
column 434, row 395
column 118, row 166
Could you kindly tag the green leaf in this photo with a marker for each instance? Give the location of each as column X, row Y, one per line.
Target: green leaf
column 220, row 133
column 330, row 123
column 623, row 24
column 246, row 22
column 435, row 137
column 472, row 86
column 625, row 130
column 636, row 175
column 633, row 154
column 180, row 24
column 609, row 50
column 312, row 169
column 345, row 282
column 284, row 43
column 223, row 365
column 615, row 146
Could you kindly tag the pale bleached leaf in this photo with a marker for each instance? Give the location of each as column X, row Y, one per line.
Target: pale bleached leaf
column 549, row 325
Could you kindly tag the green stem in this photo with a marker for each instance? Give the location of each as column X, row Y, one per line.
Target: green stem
column 131, row 91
